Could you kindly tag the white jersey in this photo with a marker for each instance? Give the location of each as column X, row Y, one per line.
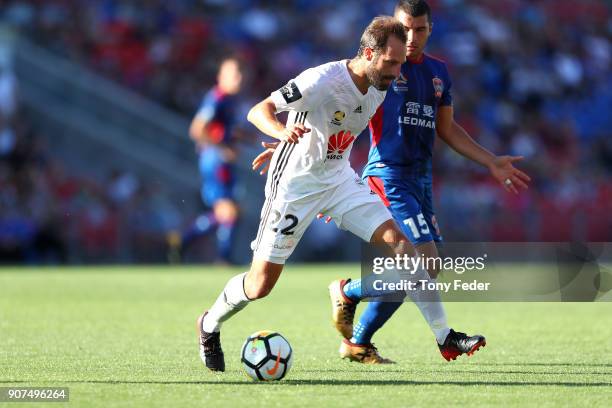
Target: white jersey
column 327, row 101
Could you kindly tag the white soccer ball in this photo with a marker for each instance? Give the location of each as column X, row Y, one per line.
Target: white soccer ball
column 266, row 356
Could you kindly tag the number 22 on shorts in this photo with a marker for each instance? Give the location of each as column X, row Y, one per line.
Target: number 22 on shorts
column 288, row 230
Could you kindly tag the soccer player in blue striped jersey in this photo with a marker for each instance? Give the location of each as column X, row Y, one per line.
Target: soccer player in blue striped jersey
column 418, row 106
column 213, row 132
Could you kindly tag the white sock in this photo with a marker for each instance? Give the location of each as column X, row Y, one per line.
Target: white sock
column 230, row 301
column 430, row 305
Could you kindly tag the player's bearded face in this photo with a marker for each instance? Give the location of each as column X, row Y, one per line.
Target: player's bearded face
column 377, row 77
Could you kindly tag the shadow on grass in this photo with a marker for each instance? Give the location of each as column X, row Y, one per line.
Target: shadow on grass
column 336, row 383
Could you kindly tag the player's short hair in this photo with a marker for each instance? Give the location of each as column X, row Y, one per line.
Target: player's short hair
column 414, row 8
column 377, row 34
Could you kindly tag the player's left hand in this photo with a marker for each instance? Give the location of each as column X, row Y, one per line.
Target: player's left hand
column 264, row 158
column 509, row 176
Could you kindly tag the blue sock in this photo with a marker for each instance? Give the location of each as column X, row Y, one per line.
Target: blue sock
column 225, row 235
column 373, row 318
column 352, row 290
column 202, row 225
column 355, row 291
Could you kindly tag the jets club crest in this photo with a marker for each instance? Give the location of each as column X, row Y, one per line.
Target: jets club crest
column 338, row 143
column 438, row 85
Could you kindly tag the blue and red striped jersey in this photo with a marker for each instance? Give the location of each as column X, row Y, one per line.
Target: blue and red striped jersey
column 217, row 110
column 402, row 130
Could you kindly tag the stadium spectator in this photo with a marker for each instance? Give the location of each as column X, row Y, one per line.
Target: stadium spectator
column 536, row 80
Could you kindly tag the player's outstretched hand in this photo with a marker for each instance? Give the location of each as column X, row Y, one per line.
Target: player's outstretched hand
column 294, row 133
column 264, row 158
column 509, row 176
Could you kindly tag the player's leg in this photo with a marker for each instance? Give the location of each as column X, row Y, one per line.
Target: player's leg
column 225, row 210
column 387, row 233
column 236, row 295
column 378, row 312
column 217, row 192
column 411, row 205
column 403, row 201
column 356, row 210
column 450, row 343
column 432, row 248
column 180, row 241
column 282, row 226
column 456, row 343
column 428, row 302
column 226, row 215
column 222, row 219
column 354, row 196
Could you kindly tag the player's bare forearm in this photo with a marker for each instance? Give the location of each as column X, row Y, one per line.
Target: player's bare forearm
column 197, row 130
column 460, row 141
column 263, row 116
column 501, row 167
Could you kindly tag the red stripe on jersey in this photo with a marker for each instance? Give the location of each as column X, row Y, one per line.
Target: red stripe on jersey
column 376, row 126
column 436, row 58
column 219, row 94
column 377, row 186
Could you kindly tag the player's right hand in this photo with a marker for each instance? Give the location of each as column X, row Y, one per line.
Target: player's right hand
column 293, row 133
column 264, row 158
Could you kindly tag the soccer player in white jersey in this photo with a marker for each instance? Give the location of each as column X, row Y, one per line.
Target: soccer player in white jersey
column 328, row 106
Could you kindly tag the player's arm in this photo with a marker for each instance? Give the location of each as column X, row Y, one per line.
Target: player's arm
column 301, row 94
column 197, row 130
column 501, row 167
column 263, row 116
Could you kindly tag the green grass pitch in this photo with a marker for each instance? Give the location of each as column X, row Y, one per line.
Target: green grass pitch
column 125, row 337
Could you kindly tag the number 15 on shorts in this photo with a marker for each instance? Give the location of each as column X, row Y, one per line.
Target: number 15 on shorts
column 422, row 229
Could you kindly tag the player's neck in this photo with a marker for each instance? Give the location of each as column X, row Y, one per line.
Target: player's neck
column 415, row 59
column 357, row 71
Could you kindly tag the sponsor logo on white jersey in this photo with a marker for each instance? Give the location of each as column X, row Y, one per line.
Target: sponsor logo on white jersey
column 338, row 118
column 338, row 143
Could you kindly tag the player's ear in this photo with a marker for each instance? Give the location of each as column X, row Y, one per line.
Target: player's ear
column 430, row 27
column 368, row 53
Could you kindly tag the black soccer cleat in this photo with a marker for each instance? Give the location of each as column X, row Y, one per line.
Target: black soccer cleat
column 458, row 343
column 210, row 348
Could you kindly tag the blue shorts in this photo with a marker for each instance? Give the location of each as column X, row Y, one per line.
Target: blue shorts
column 218, row 177
column 411, row 204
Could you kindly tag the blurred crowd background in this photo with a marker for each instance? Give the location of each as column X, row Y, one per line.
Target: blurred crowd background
column 531, row 78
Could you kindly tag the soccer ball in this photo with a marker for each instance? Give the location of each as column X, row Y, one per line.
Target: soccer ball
column 266, row 356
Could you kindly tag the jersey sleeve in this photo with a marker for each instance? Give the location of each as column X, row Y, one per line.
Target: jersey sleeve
column 301, row 94
column 207, row 109
column 447, row 96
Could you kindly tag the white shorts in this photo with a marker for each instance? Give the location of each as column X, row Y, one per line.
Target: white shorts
column 351, row 204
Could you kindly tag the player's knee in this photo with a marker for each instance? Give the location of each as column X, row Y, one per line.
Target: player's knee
column 226, row 211
column 387, row 233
